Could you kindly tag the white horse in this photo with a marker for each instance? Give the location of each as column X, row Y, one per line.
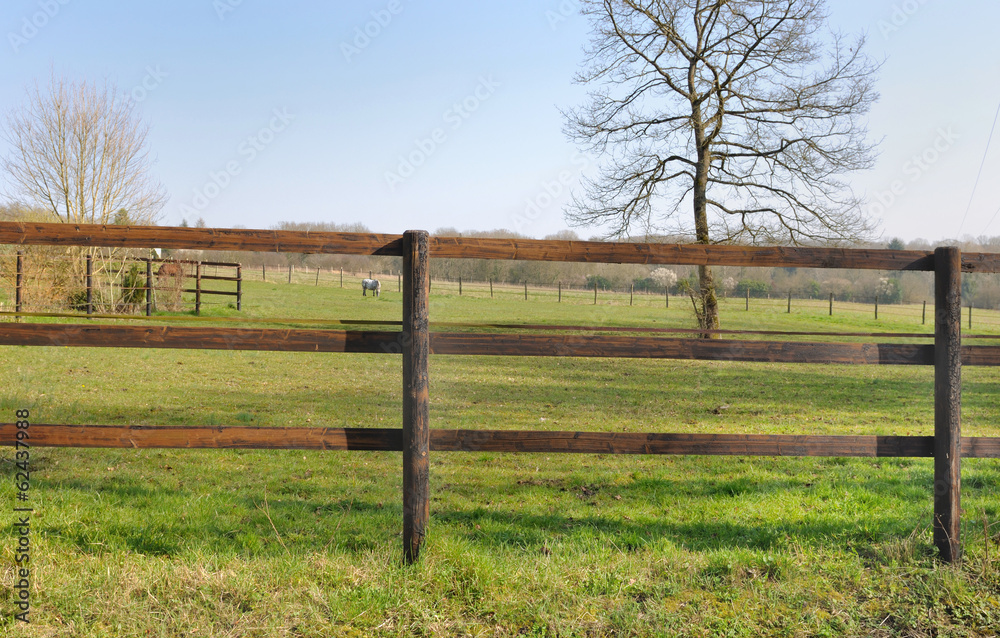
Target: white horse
column 370, row 284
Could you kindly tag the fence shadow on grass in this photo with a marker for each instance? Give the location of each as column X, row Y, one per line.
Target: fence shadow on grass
column 514, row 529
column 164, row 521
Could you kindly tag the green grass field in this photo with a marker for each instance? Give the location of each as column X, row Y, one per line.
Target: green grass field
column 284, row 543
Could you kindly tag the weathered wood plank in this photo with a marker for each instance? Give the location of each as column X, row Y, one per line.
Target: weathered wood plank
column 214, row 437
column 391, row 440
column 454, row 343
column 554, row 327
column 198, row 337
column 975, row 447
column 314, row 242
column 630, row 443
column 202, row 291
column 450, row 343
column 699, row 254
column 980, row 355
column 415, row 342
column 948, row 402
column 238, row 239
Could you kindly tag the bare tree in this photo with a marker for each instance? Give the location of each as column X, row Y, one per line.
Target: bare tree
column 749, row 110
column 80, row 151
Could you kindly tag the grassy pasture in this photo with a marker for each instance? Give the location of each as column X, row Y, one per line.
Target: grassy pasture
column 246, row 543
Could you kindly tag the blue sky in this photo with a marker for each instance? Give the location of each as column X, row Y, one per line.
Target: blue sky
column 264, row 112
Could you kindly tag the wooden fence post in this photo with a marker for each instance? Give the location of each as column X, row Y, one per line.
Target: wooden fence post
column 923, row 319
column 525, row 289
column 876, row 307
column 341, row 277
column 18, row 294
column 631, row 293
column 666, row 295
column 947, row 401
column 595, row 293
column 748, row 298
column 90, row 284
column 831, row 304
column 239, row 287
column 789, row 302
column 416, row 415
column 491, row 287
column 149, row 287
column 560, row 292
column 317, row 276
column 197, row 287
column 459, row 286
column 289, row 273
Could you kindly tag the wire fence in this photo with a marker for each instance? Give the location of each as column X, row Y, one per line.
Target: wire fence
column 912, row 314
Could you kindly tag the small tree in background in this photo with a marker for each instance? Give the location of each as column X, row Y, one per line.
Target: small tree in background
column 754, row 287
column 665, row 277
column 603, row 283
column 79, row 152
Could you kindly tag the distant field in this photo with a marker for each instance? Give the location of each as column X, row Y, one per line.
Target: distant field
column 244, row 543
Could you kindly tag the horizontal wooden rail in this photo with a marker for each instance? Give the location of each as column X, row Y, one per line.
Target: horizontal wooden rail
column 698, row 331
column 214, row 437
column 701, row 349
column 691, row 348
column 441, row 440
column 198, row 338
column 315, row 242
column 197, row 319
column 211, row 292
column 700, row 444
column 238, row 239
column 699, row 254
column 467, row 324
column 457, row 343
column 226, row 264
column 679, row 254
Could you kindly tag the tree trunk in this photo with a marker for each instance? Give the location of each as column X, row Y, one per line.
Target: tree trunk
column 709, row 316
column 708, row 308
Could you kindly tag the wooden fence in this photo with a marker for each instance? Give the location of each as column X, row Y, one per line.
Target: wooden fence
column 199, row 275
column 416, row 343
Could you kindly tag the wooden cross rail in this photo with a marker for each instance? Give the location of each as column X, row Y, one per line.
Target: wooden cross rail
column 467, row 343
column 416, row 343
column 202, row 291
column 314, row 242
column 221, row 264
column 442, row 440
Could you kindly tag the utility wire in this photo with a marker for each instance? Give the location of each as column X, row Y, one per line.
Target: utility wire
column 991, row 221
column 980, row 173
